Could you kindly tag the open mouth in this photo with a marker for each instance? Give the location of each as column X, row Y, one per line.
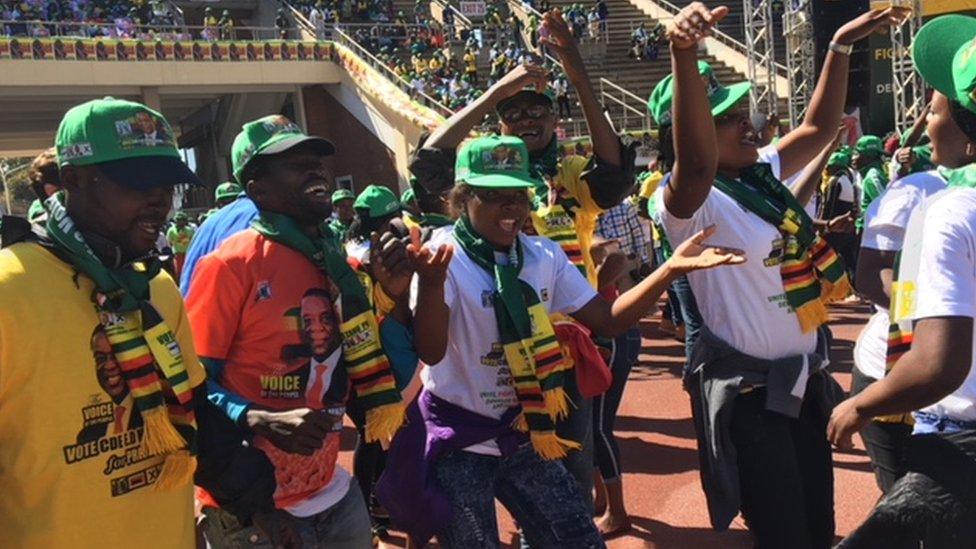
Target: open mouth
column 510, row 226
column 149, row 228
column 528, row 134
column 318, row 191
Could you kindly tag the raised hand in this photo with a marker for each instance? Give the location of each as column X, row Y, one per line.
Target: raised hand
column 430, row 265
column 519, row 78
column 694, row 22
column 560, row 40
column 693, row 254
column 389, row 264
column 867, row 23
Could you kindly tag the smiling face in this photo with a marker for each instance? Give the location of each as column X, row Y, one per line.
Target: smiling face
column 736, row 138
column 146, row 123
column 295, row 183
column 529, row 118
column 345, row 211
column 107, row 368
column 498, row 214
column 130, row 218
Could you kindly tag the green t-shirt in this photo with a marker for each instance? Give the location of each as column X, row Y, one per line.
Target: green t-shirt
column 873, row 183
column 179, row 239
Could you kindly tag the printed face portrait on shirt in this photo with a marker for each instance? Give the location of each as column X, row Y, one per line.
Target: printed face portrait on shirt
column 319, row 323
column 107, row 368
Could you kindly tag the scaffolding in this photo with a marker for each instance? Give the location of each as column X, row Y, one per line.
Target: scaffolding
column 800, row 54
column 907, row 87
column 761, row 60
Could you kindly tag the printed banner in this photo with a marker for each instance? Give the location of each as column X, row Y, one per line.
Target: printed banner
column 114, row 49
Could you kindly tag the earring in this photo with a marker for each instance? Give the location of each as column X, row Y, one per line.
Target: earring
column 970, row 149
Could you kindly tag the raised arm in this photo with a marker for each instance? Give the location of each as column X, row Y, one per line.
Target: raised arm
column 431, row 314
column 695, row 146
column 455, row 129
column 798, row 147
column 806, row 185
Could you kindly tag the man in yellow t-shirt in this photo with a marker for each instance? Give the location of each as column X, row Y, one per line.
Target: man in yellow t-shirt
column 571, row 191
column 471, row 66
column 75, row 467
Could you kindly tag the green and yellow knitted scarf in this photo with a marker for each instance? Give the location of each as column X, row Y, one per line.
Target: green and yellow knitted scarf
column 529, row 342
column 554, row 216
column 146, row 349
column 813, row 274
column 363, row 356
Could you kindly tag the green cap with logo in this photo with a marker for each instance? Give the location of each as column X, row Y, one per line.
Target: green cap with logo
column 869, row 144
column 495, row 162
column 342, row 194
column 722, row 98
column 407, row 196
column 378, row 201
column 944, row 53
column 839, row 160
column 130, row 143
column 226, row 190
column 546, row 97
column 271, row 135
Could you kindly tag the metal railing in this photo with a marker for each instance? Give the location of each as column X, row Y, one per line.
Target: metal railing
column 459, row 18
column 627, row 100
column 342, row 38
column 717, row 33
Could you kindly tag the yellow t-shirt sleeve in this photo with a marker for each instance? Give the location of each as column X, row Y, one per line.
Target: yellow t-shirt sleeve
column 650, row 184
column 168, row 301
column 571, row 170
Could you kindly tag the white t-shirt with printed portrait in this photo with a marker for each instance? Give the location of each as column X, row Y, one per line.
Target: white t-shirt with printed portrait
column 474, row 373
column 946, row 284
column 884, row 229
column 744, row 305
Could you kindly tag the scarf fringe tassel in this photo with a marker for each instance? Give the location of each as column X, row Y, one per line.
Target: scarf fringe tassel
column 177, row 470
column 383, row 421
column 557, row 403
column 159, row 436
column 814, row 313
column 549, row 446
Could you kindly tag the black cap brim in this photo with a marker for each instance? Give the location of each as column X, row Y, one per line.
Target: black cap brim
column 149, row 172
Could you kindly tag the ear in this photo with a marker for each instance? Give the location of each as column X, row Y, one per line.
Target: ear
column 255, row 190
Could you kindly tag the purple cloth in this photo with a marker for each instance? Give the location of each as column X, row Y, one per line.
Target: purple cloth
column 434, row 428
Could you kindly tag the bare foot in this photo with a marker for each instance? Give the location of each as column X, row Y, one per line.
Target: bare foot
column 612, row 525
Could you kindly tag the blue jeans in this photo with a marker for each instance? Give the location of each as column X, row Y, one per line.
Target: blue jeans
column 540, row 494
column 689, row 314
column 345, row 525
column 578, row 427
column 623, row 355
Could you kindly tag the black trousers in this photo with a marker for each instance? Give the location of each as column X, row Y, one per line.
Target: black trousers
column 786, row 473
column 885, row 442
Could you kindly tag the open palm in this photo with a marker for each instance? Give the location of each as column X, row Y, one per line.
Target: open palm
column 694, row 254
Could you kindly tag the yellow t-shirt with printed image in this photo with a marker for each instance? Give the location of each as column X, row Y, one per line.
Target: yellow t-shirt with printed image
column 70, row 474
column 568, row 180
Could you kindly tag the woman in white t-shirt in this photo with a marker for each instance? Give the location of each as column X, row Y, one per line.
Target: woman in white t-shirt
column 933, row 302
column 770, row 309
column 492, row 380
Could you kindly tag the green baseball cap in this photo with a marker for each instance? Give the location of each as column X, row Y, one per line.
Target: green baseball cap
column 228, row 189
column 342, row 194
column 36, row 211
column 271, row 135
column 722, row 98
column 497, row 162
column 839, row 159
column 943, row 54
column 407, row 196
column 869, row 144
column 130, row 143
column 378, row 201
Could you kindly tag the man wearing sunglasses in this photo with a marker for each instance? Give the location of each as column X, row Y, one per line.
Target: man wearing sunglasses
column 571, row 191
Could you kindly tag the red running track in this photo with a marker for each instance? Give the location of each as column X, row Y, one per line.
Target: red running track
column 657, row 442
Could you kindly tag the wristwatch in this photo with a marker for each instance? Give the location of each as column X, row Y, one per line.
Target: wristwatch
column 843, row 49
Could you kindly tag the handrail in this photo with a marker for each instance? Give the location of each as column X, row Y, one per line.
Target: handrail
column 717, row 33
column 391, row 75
column 458, row 16
column 628, row 93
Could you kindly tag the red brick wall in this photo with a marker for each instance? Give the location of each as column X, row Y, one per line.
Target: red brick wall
column 360, row 153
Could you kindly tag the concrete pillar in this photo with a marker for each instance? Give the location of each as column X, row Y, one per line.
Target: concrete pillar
column 150, row 98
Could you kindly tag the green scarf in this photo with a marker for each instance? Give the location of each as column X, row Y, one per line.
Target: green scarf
column 146, row 349
column 813, row 274
column 529, row 342
column 365, row 361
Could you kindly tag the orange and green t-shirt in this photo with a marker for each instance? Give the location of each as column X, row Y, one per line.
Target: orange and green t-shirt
column 270, row 317
column 71, row 474
column 179, row 239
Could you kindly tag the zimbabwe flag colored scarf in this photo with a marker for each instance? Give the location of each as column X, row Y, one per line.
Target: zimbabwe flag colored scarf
column 147, row 352
column 529, row 342
column 554, row 216
column 363, row 356
column 903, row 287
column 813, row 274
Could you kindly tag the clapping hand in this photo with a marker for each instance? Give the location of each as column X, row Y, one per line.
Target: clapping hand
column 693, row 254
